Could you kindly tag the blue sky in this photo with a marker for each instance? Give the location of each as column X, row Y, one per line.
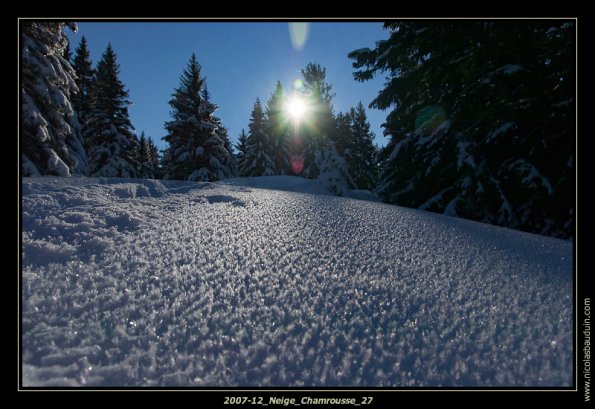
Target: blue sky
column 242, row 61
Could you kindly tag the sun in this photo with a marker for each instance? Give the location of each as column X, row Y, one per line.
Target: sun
column 296, row 107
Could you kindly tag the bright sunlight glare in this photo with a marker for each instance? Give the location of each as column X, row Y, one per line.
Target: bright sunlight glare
column 296, row 107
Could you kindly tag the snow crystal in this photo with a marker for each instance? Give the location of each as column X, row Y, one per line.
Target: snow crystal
column 227, row 284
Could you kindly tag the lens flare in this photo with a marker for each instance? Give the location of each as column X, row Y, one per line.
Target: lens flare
column 296, row 107
column 298, row 33
column 429, row 118
column 297, row 164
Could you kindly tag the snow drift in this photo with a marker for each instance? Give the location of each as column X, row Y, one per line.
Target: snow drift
column 156, row 283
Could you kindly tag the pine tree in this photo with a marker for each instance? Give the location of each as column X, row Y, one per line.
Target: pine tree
column 51, row 141
column 482, row 120
column 360, row 150
column 196, row 149
column 258, row 159
column 242, row 147
column 278, row 131
column 112, row 142
column 81, row 101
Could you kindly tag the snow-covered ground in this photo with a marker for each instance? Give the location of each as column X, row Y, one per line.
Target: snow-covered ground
column 295, row 184
column 143, row 283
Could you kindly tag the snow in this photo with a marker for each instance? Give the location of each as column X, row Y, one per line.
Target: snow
column 363, row 194
column 505, row 210
column 51, row 135
column 296, row 184
column 451, row 207
column 463, row 157
column 566, row 26
column 501, row 130
column 531, row 174
column 29, row 167
column 437, row 198
column 443, row 127
column 507, row 69
column 56, row 164
column 459, row 59
column 466, row 182
column 205, row 126
column 131, row 282
column 201, row 174
column 510, row 68
column 284, row 183
column 386, row 53
column 406, row 139
column 184, row 156
column 564, row 103
column 334, row 175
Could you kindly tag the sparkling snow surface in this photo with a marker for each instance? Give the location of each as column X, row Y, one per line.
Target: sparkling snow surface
column 155, row 283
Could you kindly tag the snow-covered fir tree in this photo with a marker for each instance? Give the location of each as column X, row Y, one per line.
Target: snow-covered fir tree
column 154, row 159
column 342, row 134
column 360, row 151
column 259, row 159
column 81, row 100
column 51, row 140
column 111, row 139
column 67, row 54
column 319, row 124
column 278, row 130
column 242, row 147
column 147, row 157
column 334, row 173
column 482, row 121
column 196, row 149
column 222, row 132
column 232, row 162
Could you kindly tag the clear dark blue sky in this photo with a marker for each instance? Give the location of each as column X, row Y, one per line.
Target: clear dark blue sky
column 241, row 61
